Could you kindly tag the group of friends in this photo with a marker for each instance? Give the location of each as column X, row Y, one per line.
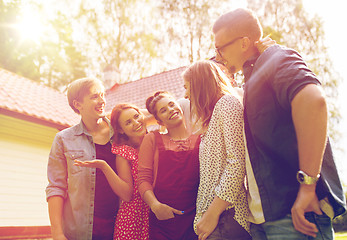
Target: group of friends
column 226, row 164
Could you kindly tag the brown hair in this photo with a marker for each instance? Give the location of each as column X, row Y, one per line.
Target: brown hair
column 208, row 83
column 240, row 22
column 120, row 138
column 152, row 101
column 77, row 89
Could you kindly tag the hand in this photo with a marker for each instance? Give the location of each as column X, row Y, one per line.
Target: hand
column 306, row 201
column 207, row 224
column 164, row 212
column 264, row 43
column 91, row 164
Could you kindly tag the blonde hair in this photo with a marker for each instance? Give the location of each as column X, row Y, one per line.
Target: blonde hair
column 240, row 22
column 208, row 83
column 77, row 89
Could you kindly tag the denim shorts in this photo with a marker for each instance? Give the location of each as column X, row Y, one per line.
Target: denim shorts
column 284, row 229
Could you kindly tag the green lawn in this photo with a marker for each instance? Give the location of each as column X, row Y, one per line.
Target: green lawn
column 341, row 236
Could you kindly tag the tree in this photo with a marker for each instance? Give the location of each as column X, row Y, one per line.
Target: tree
column 16, row 55
column 188, row 29
column 60, row 60
column 291, row 25
column 53, row 59
column 118, row 33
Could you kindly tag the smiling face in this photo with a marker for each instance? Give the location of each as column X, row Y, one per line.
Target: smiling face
column 93, row 103
column 132, row 124
column 169, row 112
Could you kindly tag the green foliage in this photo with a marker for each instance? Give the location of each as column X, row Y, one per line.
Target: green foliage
column 138, row 38
column 15, row 54
column 187, row 25
column 120, row 34
column 52, row 62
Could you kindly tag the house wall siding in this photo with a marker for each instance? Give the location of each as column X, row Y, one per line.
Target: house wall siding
column 24, row 150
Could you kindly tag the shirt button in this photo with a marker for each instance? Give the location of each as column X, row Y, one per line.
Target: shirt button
column 73, row 156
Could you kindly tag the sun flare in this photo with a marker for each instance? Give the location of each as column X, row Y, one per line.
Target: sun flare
column 30, row 28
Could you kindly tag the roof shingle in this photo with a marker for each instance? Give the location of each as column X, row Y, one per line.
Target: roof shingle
column 27, row 98
column 136, row 92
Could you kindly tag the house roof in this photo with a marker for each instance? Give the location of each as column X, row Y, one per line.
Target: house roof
column 28, row 100
column 136, row 92
column 31, row 101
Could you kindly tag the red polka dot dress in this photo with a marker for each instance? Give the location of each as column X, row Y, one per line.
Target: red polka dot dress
column 132, row 218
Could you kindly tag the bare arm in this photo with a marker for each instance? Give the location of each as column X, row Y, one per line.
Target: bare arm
column 121, row 183
column 209, row 220
column 55, row 210
column 309, row 113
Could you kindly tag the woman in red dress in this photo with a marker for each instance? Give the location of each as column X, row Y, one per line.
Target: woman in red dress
column 129, row 129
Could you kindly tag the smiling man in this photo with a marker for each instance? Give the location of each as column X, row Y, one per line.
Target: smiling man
column 81, row 203
column 294, row 187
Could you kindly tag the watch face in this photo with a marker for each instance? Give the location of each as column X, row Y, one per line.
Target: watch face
column 301, row 177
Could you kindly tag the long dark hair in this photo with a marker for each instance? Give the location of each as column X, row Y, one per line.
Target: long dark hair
column 152, row 101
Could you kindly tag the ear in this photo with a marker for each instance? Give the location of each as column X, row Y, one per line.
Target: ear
column 245, row 44
column 77, row 104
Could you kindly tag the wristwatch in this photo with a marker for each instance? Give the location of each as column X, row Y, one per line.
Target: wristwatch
column 303, row 178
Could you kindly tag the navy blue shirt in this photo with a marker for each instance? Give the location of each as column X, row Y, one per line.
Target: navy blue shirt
column 271, row 82
column 106, row 201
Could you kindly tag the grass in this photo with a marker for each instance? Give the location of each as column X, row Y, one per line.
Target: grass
column 341, row 236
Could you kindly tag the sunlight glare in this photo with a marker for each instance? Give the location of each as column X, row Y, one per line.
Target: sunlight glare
column 30, row 24
column 31, row 28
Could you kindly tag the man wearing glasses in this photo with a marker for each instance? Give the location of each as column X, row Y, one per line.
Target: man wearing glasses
column 294, row 187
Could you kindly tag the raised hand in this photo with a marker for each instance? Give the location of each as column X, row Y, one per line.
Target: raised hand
column 264, row 43
column 91, row 164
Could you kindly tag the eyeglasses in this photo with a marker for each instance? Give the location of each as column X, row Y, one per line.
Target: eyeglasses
column 218, row 50
column 215, row 60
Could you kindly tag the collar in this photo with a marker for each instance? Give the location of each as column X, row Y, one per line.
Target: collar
column 248, row 66
column 81, row 128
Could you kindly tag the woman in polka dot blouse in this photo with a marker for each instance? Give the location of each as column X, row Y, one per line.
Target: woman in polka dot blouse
column 222, row 208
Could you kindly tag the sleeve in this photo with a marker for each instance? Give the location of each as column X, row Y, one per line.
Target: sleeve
column 57, row 170
column 146, row 164
column 229, row 116
column 289, row 75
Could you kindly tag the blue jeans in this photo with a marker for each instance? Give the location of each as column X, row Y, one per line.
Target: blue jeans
column 283, row 229
column 228, row 228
